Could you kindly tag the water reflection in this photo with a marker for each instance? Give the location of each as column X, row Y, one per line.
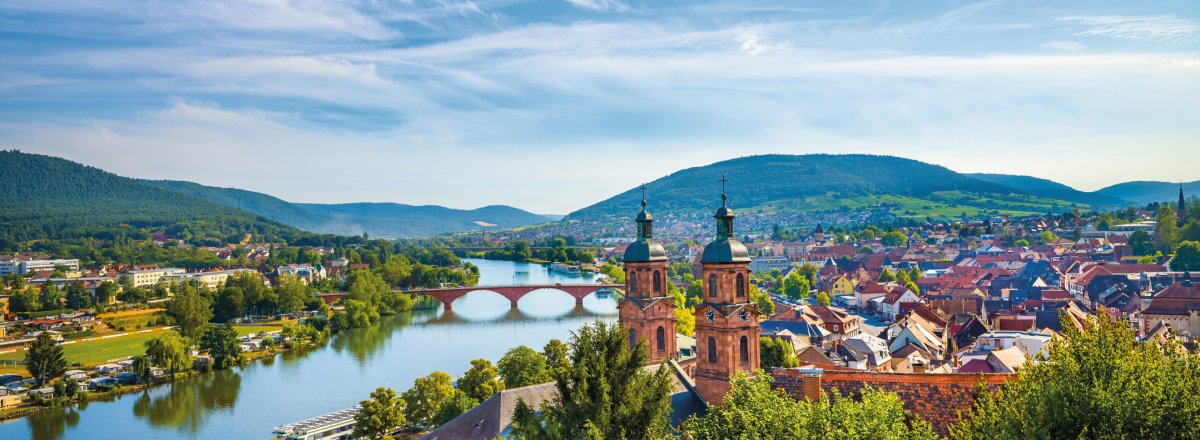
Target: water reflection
column 52, row 423
column 365, row 343
column 186, row 406
column 515, row 316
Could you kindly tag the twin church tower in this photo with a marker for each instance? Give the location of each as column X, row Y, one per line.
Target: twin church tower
column 727, row 319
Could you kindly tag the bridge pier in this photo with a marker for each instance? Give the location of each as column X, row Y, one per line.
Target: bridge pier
column 579, row 300
column 446, row 306
column 514, row 303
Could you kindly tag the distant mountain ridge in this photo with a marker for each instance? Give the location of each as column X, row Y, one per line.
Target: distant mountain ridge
column 1143, row 191
column 47, row 188
column 1049, row 189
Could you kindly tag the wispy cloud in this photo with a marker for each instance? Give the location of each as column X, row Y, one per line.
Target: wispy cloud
column 1070, row 46
column 601, row 5
column 1152, row 27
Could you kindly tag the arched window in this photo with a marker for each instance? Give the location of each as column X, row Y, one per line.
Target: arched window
column 712, row 285
column 657, row 282
column 632, row 281
column 712, row 350
column 744, row 350
column 741, row 286
column 633, row 339
column 661, row 336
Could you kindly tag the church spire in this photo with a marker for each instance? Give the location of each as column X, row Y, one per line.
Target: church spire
column 724, row 215
column 644, row 220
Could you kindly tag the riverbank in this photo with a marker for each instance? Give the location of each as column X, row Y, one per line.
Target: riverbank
column 29, row 407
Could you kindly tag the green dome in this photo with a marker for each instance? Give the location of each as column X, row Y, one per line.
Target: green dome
column 648, row 250
column 725, row 251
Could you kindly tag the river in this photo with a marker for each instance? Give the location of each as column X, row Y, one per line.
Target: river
column 247, row 402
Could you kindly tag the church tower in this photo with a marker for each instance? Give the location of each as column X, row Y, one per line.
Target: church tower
column 648, row 311
column 727, row 321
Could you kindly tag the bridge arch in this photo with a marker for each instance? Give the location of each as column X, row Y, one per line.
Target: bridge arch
column 447, row 296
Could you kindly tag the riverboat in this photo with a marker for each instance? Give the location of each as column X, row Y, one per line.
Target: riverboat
column 337, row 425
column 564, row 269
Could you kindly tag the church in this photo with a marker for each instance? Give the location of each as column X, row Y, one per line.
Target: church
column 727, row 321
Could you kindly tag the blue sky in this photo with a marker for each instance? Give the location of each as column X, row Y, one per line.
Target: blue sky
column 553, row 105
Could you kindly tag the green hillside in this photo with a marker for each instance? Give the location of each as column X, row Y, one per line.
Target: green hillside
column 394, row 219
column 820, row 182
column 258, row 203
column 50, row 197
column 1048, row 189
column 1143, row 192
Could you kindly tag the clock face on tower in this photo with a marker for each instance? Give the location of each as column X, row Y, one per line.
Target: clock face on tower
column 744, row 315
column 711, row 315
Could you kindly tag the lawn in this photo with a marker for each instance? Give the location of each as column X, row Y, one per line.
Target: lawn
column 100, row 351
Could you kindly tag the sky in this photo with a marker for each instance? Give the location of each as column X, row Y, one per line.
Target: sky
column 551, row 106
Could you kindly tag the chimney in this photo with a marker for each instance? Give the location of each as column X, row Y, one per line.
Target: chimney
column 810, row 383
column 918, row 367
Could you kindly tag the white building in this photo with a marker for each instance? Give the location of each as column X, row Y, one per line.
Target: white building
column 765, row 264
column 210, row 280
column 17, row 267
column 151, row 277
column 1031, row 343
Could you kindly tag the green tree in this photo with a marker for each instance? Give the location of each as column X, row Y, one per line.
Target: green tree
column 290, row 293
column 458, row 403
column 886, row 276
column 221, row 342
column 78, row 297
column 366, row 286
column 754, row 410
column 902, row 277
column 1166, row 233
column 481, row 381
column 425, row 399
column 25, row 300
column 894, row 238
column 796, row 286
column 1141, row 242
column 1097, row 383
column 191, row 310
column 556, row 355
column 359, row 314
column 106, row 292
column 50, row 298
column 775, row 352
column 1187, row 257
column 607, row 393
column 765, row 305
column 380, row 415
column 44, row 359
column 913, row 287
column 169, row 351
column 522, row 366
column 823, row 299
column 809, row 272
column 141, row 367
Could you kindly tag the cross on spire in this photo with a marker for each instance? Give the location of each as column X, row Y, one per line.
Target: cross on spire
column 723, row 197
column 643, row 188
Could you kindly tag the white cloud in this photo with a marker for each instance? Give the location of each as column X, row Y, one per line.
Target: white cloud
column 1152, row 27
column 1069, row 46
column 601, row 5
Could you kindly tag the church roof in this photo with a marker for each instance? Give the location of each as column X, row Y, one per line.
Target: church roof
column 645, row 250
column 725, row 251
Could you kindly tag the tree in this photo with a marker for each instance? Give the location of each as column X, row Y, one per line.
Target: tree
column 380, row 415
column 1100, row 382
column 290, row 293
column 809, row 272
column 459, row 403
column 894, row 238
column 902, row 277
column 480, row 382
column 1187, row 257
column 911, row 286
column 753, row 410
column 775, row 352
column 191, row 310
column 765, row 305
column 25, row 300
column 44, row 359
column 425, row 399
column 106, row 292
column 607, row 392
column 886, row 276
column 221, row 342
column 823, row 299
column 1141, row 242
column 1166, row 233
column 78, row 296
column 141, row 367
column 50, row 298
column 796, row 286
column 168, row 351
column 556, row 355
column 522, row 366
column 359, row 314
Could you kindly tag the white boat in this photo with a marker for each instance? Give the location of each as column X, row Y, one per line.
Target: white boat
column 564, row 269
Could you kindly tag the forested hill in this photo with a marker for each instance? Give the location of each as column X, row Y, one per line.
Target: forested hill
column 50, row 197
column 258, row 203
column 394, row 219
column 1049, row 189
column 819, row 181
column 1143, row 192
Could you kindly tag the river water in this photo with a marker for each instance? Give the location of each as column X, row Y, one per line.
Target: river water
column 247, row 402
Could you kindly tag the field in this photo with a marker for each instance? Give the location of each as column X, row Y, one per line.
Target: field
column 100, row 351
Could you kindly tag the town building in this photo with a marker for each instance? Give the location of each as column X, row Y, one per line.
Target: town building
column 648, row 312
column 150, row 277
column 23, row 267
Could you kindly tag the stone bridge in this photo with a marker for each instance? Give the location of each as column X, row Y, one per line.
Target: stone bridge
column 513, row 293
